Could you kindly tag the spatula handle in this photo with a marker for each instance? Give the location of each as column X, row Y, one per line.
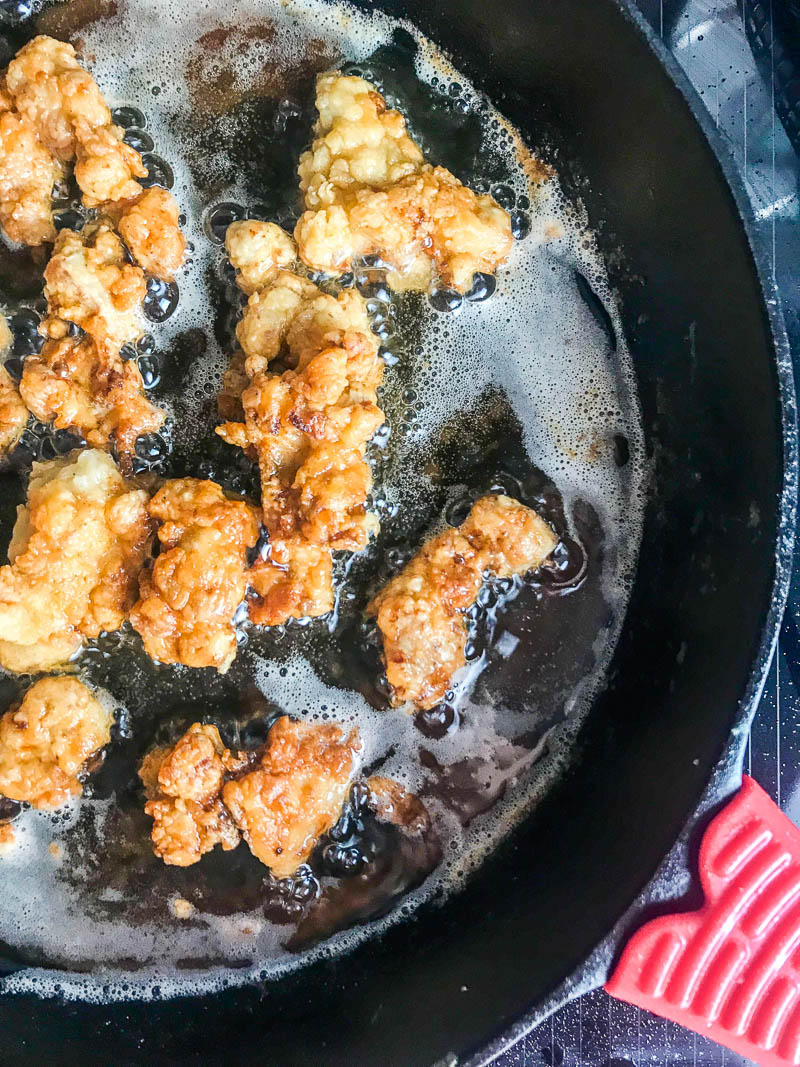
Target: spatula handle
column 730, row 971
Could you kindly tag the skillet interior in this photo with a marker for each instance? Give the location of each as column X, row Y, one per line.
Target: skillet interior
column 713, row 419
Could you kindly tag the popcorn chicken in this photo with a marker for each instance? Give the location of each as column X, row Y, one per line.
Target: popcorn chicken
column 258, row 250
column 76, row 551
column 294, row 582
column 65, row 107
column 269, row 313
column 392, row 803
column 368, row 191
column 188, row 597
column 106, row 166
column 89, row 281
column 150, row 228
column 183, row 785
column 99, row 395
column 295, row 793
column 46, row 740
column 358, row 142
column 28, row 173
column 310, row 426
column 420, row 612
column 13, row 413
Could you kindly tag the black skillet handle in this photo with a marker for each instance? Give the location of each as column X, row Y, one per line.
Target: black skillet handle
column 730, row 971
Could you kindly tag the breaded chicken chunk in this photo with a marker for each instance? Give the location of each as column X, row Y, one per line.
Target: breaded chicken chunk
column 310, row 435
column 188, row 597
column 420, row 612
column 150, row 228
column 13, row 413
column 258, row 250
column 295, row 793
column 46, row 740
column 28, row 172
column 310, row 425
column 368, row 191
column 102, row 397
column 392, row 803
column 183, row 785
column 63, row 104
column 90, row 282
column 294, row 582
column 76, row 551
column 309, row 428
column 269, row 314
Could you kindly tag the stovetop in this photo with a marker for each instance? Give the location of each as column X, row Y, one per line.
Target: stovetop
column 708, row 39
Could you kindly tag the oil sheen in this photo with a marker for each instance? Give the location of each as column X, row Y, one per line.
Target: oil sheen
column 530, row 391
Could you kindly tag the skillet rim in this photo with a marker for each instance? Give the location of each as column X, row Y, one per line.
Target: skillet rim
column 673, row 876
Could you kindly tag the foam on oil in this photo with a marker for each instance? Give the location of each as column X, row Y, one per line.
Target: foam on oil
column 535, row 340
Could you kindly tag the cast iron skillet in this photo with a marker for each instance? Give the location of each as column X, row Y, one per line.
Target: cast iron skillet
column 585, row 78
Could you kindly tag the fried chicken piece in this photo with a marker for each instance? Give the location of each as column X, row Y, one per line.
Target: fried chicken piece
column 89, row 281
column 311, row 438
column 28, row 173
column 392, row 803
column 294, row 582
column 101, row 396
column 295, row 793
column 188, row 598
column 258, row 250
column 46, row 740
column 13, row 413
column 229, row 398
column 368, row 191
column 76, row 551
column 269, row 314
column 420, row 612
column 358, row 142
column 310, row 425
column 150, row 228
column 64, row 105
column 183, row 785
column 106, row 167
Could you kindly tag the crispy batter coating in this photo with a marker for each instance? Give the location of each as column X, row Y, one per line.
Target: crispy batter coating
column 89, row 281
column 28, row 173
column 150, row 228
column 258, row 250
column 368, row 191
column 183, row 785
column 420, row 612
column 294, row 582
column 295, row 793
column 392, row 803
column 64, row 105
column 13, row 413
column 76, row 552
column 310, row 425
column 99, row 395
column 46, row 740
column 188, row 598
column 269, row 313
column 358, row 142
column 234, row 383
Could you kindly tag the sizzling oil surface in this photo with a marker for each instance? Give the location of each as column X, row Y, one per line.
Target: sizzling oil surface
column 530, row 391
